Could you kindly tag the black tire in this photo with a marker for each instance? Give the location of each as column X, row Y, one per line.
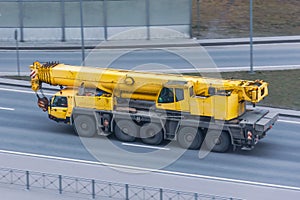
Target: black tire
column 85, row 126
column 126, row 130
column 189, row 138
column 217, row 142
column 151, row 134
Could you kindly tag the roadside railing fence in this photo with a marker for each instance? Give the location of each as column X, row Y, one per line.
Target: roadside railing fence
column 94, row 189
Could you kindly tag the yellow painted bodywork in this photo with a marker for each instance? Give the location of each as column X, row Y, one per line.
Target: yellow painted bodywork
column 228, row 101
column 219, row 107
column 104, row 102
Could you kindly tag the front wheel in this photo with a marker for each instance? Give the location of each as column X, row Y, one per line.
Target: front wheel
column 217, row 141
column 85, row 126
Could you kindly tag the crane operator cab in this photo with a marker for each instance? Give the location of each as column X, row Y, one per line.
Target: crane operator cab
column 175, row 95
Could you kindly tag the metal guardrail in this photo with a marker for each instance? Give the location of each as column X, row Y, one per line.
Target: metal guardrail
column 95, row 189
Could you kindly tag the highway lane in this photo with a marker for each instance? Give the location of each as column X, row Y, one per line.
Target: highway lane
column 222, row 56
column 25, row 128
column 263, row 55
column 9, row 61
column 33, row 131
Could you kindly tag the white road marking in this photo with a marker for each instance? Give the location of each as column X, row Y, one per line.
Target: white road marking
column 22, row 91
column 152, row 170
column 145, row 146
column 288, row 121
column 3, row 108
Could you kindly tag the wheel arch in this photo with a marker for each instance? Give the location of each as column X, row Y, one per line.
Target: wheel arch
column 229, row 133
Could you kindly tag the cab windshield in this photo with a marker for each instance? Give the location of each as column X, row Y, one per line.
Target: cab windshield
column 166, row 96
column 60, row 101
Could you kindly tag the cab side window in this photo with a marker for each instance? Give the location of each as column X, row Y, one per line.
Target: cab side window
column 191, row 90
column 179, row 94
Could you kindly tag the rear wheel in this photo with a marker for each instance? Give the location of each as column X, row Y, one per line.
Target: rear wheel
column 217, row 141
column 126, row 130
column 189, row 138
column 151, row 134
column 85, row 126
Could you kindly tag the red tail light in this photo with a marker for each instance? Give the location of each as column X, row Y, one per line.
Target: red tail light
column 249, row 135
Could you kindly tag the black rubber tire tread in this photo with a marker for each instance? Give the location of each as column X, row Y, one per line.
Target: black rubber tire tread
column 223, row 137
column 131, row 127
column 187, row 131
column 156, row 139
column 89, row 129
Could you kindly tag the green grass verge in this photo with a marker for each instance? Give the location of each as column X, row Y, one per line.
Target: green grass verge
column 230, row 18
column 23, row 78
column 284, row 88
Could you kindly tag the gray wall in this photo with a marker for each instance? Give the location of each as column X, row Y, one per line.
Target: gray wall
column 102, row 19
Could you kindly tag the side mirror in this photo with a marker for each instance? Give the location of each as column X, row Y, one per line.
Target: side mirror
column 51, row 101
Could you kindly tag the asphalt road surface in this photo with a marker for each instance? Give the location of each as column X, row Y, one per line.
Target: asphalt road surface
column 222, row 57
column 25, row 128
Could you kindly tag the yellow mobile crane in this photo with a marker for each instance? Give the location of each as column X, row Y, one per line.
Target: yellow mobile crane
column 155, row 106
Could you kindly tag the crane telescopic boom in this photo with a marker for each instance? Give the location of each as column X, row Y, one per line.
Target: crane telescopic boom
column 143, row 85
